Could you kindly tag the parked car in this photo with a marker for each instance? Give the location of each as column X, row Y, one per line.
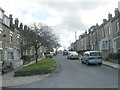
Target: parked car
column 72, row 55
column 48, row 54
column 92, row 57
column 54, row 53
column 65, row 52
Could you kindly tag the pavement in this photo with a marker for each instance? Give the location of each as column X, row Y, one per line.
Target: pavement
column 8, row 79
column 110, row 64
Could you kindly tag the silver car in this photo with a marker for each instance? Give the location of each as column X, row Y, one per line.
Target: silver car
column 72, row 55
column 92, row 57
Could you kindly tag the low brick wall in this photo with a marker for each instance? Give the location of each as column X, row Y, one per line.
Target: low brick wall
column 35, row 72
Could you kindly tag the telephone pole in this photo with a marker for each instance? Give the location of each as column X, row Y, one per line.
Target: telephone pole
column 75, row 35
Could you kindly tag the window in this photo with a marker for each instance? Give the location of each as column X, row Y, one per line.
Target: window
column 0, row 36
column 86, row 55
column 1, row 14
column 95, row 54
column 6, row 21
column 10, row 55
column 118, row 42
column 103, row 44
column 103, row 33
column 5, row 54
column 11, row 37
column 109, row 44
column 0, row 55
column 18, row 38
column 106, row 44
column 117, row 26
column 109, row 31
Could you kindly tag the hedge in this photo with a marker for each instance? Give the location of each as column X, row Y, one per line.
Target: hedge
column 25, row 59
column 115, row 56
column 43, row 66
column 34, row 72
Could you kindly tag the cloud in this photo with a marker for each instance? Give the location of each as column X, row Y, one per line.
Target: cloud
column 64, row 16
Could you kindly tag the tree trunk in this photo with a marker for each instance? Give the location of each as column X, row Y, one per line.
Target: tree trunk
column 21, row 52
column 36, row 56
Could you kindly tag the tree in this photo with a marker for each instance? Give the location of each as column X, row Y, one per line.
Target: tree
column 37, row 35
column 41, row 35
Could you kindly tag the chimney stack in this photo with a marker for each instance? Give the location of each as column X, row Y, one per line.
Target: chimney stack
column 16, row 22
column 86, row 32
column 25, row 27
column 97, row 25
column 104, row 20
column 89, row 31
column 116, row 12
column 11, row 20
column 21, row 26
column 109, row 16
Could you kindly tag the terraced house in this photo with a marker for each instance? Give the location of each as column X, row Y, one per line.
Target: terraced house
column 9, row 40
column 104, row 38
column 116, row 31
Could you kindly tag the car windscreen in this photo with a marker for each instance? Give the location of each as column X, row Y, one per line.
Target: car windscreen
column 48, row 53
column 95, row 54
column 74, row 53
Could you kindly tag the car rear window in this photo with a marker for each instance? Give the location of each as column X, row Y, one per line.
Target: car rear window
column 95, row 54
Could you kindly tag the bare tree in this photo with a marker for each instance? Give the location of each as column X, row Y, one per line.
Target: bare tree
column 41, row 35
column 37, row 35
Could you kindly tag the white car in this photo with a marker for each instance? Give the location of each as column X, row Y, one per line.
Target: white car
column 72, row 55
column 92, row 57
column 48, row 55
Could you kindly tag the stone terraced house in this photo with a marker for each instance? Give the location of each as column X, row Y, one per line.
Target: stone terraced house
column 104, row 38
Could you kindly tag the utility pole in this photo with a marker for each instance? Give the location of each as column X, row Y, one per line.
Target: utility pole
column 119, row 6
column 75, row 35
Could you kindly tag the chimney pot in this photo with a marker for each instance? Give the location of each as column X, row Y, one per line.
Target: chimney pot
column 116, row 12
column 11, row 20
column 25, row 27
column 16, row 22
column 109, row 16
column 104, row 20
column 21, row 26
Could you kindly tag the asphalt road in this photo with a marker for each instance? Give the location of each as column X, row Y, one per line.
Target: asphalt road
column 74, row 74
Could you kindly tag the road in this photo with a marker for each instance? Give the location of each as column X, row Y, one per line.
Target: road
column 74, row 74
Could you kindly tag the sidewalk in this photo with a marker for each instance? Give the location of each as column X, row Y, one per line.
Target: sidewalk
column 8, row 79
column 110, row 64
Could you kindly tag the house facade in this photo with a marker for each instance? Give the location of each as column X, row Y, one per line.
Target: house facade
column 9, row 41
column 116, row 31
column 104, row 38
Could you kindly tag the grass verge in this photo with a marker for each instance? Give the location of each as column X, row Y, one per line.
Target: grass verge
column 43, row 66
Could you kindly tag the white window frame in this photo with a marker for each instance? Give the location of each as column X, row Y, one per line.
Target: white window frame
column 1, row 14
column 0, row 55
column 109, row 30
column 117, row 26
column 11, row 37
column 0, row 35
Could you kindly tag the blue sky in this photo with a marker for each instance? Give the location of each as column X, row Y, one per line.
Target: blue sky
column 65, row 17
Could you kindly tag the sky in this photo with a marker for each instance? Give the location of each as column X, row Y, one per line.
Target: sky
column 65, row 17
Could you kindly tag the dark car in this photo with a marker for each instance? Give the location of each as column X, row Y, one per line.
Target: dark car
column 48, row 54
column 65, row 52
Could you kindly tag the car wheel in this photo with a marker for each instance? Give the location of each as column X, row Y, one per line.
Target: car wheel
column 100, row 63
column 87, row 63
column 82, row 62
